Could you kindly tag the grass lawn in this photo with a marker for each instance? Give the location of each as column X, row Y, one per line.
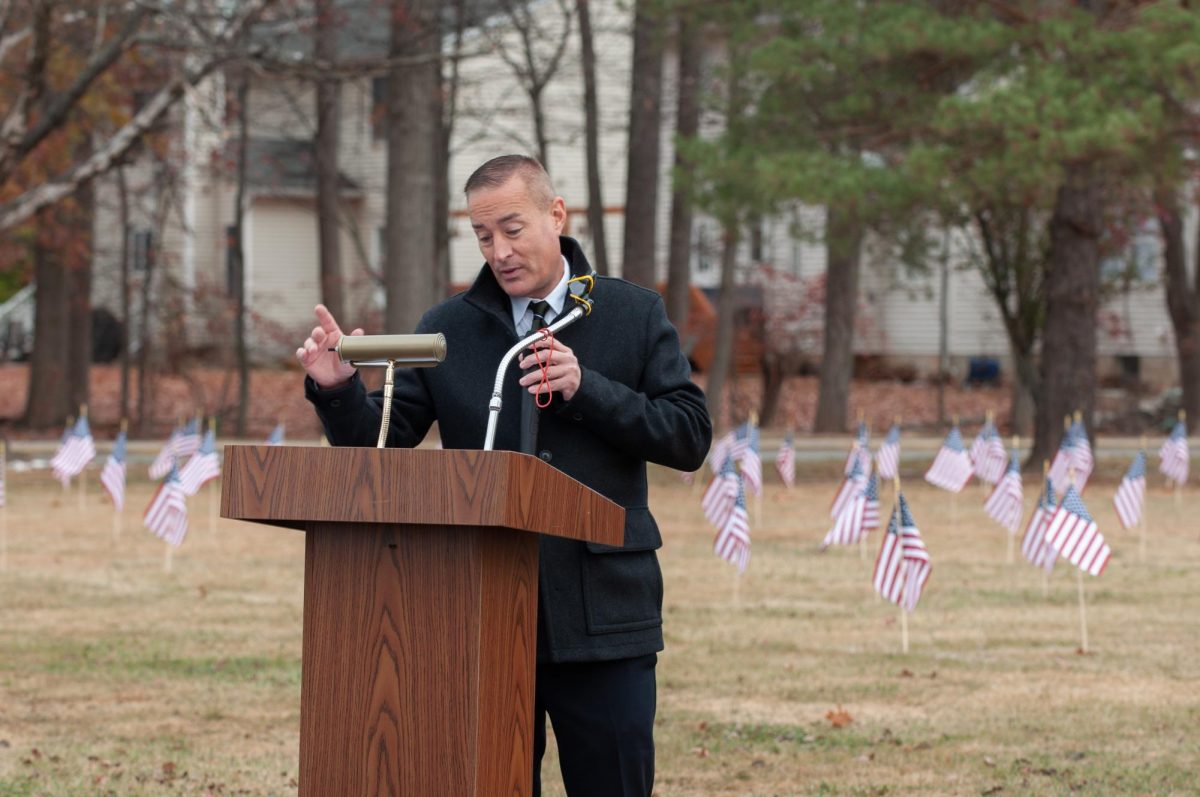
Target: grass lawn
column 118, row 677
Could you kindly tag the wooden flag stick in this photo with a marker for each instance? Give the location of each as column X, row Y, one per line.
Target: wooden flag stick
column 1083, row 635
column 1142, row 519
column 904, row 629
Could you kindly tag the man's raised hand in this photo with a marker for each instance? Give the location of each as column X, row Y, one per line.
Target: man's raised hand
column 323, row 365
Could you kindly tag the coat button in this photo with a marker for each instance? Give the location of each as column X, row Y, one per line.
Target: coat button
column 546, row 456
column 578, row 416
column 335, row 403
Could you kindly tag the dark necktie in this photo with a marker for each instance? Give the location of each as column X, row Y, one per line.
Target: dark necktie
column 529, row 410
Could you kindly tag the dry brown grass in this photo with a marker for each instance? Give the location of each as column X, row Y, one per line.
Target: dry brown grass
column 117, row 678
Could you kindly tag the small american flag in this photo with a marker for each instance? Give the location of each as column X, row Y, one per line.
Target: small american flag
column 951, row 469
column 746, row 452
column 1173, row 456
column 887, row 459
column 857, row 519
column 721, row 451
column 1131, row 492
column 721, row 494
column 859, row 449
column 165, row 460
column 733, row 537
column 1063, row 458
column 988, row 455
column 203, row 467
column 854, row 482
column 902, row 567
column 785, row 461
column 167, row 516
column 188, row 441
column 113, row 475
column 1007, row 502
column 1082, row 460
column 74, row 455
column 1076, row 537
column 1034, row 546
column 275, row 438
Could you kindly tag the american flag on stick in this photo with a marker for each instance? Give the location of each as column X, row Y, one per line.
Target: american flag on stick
column 1082, row 461
column 1173, row 456
column 721, row 451
column 859, row 450
column 887, row 459
column 275, row 438
column 1006, row 504
column 167, row 516
column 951, row 469
column 1076, row 537
column 1060, row 467
column 203, row 467
column 75, row 453
column 719, row 498
column 988, row 456
column 165, row 460
column 903, row 566
column 113, row 475
column 1130, row 499
column 785, row 461
column 1034, row 546
column 188, row 440
column 858, row 517
column 746, row 453
column 851, row 485
column 732, row 542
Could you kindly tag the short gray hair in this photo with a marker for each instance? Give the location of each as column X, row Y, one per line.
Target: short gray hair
column 500, row 170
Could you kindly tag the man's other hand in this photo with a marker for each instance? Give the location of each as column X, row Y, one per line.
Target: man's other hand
column 323, row 365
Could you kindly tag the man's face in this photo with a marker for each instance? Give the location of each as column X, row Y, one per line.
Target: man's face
column 518, row 237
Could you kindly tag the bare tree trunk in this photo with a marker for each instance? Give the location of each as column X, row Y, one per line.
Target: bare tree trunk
column 79, row 298
column 143, row 398
column 773, row 374
column 843, row 241
column 1023, row 411
column 943, row 329
column 645, row 112
column 414, row 128
column 687, row 125
column 595, row 211
column 325, row 147
column 239, row 258
column 1068, row 364
column 726, row 307
column 123, row 196
column 1183, row 302
column 48, row 403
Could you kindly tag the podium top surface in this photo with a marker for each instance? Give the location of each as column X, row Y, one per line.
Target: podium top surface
column 293, row 486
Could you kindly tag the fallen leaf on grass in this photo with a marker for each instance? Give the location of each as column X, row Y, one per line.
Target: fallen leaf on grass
column 989, row 761
column 839, row 718
column 993, row 790
column 700, row 752
column 906, row 673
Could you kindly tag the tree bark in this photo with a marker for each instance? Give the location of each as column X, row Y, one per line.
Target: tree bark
column 645, row 112
column 722, row 362
column 1068, row 363
column 123, row 197
column 595, row 211
column 843, row 241
column 773, row 375
column 239, row 258
column 413, row 132
column 1024, row 409
column 325, row 147
column 687, row 126
column 48, row 403
column 79, row 297
column 1183, row 302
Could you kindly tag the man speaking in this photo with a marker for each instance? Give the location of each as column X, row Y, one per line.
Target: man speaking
column 604, row 397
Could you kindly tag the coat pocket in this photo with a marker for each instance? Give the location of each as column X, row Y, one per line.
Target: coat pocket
column 622, row 591
column 641, row 534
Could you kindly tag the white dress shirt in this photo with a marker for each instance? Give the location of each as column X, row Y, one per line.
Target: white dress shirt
column 523, row 316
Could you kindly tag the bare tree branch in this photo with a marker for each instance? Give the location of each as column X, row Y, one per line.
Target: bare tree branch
column 108, row 153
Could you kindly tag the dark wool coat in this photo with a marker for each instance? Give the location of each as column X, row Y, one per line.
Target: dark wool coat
column 636, row 404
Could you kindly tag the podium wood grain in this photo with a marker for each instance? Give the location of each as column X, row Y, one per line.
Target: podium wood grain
column 420, row 607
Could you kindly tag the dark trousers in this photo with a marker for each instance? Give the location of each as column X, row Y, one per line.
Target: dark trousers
column 603, row 718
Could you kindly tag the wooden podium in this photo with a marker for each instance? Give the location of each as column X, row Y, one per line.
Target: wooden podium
column 420, row 607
